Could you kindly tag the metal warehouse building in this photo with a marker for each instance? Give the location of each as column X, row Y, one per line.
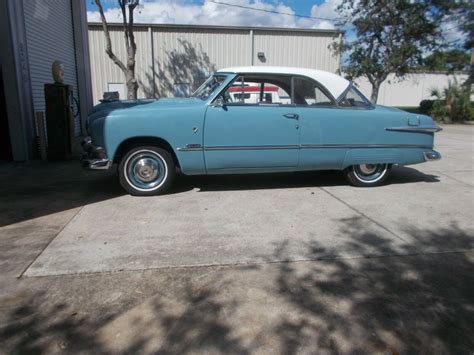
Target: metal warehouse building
column 33, row 34
column 172, row 60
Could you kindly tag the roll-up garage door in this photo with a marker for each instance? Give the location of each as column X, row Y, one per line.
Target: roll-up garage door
column 50, row 37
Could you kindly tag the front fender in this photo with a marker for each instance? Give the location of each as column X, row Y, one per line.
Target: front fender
column 177, row 125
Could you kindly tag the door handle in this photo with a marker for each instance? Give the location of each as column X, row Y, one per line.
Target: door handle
column 292, row 116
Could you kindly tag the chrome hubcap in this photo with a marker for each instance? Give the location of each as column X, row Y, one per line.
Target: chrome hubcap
column 368, row 169
column 370, row 172
column 146, row 170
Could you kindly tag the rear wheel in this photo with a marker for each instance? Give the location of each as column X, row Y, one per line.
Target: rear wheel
column 145, row 171
column 367, row 175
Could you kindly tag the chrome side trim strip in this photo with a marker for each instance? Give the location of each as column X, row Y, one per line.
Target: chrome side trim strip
column 198, row 147
column 251, row 147
column 364, row 146
column 422, row 129
column 190, row 148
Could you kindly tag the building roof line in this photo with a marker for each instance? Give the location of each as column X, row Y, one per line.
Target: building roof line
column 213, row 27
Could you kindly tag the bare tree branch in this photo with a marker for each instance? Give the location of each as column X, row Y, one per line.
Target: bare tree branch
column 108, row 48
column 129, row 68
column 131, row 8
column 124, row 21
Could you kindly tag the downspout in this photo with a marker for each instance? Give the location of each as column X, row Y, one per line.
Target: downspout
column 252, row 49
column 152, row 53
column 340, row 45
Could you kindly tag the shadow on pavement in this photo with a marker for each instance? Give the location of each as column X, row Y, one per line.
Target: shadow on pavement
column 36, row 189
column 400, row 175
column 409, row 304
column 393, row 304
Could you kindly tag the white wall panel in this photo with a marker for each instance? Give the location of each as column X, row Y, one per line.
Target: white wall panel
column 182, row 55
column 409, row 91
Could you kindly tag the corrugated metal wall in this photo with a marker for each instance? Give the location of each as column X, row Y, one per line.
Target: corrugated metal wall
column 104, row 71
column 305, row 50
column 184, row 56
column 50, row 20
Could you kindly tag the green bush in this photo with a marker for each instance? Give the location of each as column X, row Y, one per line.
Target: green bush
column 426, row 106
column 452, row 104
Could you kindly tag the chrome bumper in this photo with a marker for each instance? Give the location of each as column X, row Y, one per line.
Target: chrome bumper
column 94, row 158
column 432, row 155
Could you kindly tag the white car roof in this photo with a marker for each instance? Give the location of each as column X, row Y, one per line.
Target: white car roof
column 335, row 84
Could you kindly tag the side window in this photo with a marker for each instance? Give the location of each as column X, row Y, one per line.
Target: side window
column 306, row 92
column 353, row 98
column 258, row 90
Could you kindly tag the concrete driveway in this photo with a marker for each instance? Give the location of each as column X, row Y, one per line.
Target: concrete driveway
column 245, row 264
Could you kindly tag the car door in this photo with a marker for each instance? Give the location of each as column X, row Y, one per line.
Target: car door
column 315, row 108
column 246, row 132
column 330, row 132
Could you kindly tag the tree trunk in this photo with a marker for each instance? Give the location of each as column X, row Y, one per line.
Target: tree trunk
column 375, row 92
column 128, row 69
column 132, row 87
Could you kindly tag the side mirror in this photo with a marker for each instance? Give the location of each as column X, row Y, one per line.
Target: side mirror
column 218, row 102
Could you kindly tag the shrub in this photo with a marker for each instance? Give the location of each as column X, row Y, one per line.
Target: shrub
column 452, row 103
column 426, row 106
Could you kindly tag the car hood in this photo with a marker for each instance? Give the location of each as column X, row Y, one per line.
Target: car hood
column 106, row 107
column 117, row 107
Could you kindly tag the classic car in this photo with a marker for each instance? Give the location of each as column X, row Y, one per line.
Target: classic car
column 326, row 123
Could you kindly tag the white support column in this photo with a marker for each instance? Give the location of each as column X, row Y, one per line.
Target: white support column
column 81, row 40
column 152, row 59
column 252, row 47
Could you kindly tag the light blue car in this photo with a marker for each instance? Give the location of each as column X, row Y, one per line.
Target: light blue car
column 256, row 120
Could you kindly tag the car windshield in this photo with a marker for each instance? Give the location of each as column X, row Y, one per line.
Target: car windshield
column 209, row 86
column 354, row 98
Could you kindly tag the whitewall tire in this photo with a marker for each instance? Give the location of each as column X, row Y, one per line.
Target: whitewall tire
column 145, row 171
column 367, row 175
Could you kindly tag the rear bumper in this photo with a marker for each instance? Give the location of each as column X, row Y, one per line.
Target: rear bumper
column 431, row 155
column 94, row 158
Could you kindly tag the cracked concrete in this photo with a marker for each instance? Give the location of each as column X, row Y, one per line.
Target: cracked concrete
column 286, row 263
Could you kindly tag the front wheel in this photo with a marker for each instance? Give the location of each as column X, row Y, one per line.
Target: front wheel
column 367, row 175
column 146, row 171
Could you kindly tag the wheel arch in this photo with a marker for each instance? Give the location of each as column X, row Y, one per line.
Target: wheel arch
column 371, row 156
column 132, row 142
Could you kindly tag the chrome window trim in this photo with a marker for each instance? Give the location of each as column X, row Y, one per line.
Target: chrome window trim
column 351, row 85
column 292, row 76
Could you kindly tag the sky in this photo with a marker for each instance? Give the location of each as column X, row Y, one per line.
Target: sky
column 207, row 12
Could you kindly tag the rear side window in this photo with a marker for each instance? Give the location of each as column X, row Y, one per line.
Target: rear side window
column 250, row 90
column 354, row 98
column 307, row 93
